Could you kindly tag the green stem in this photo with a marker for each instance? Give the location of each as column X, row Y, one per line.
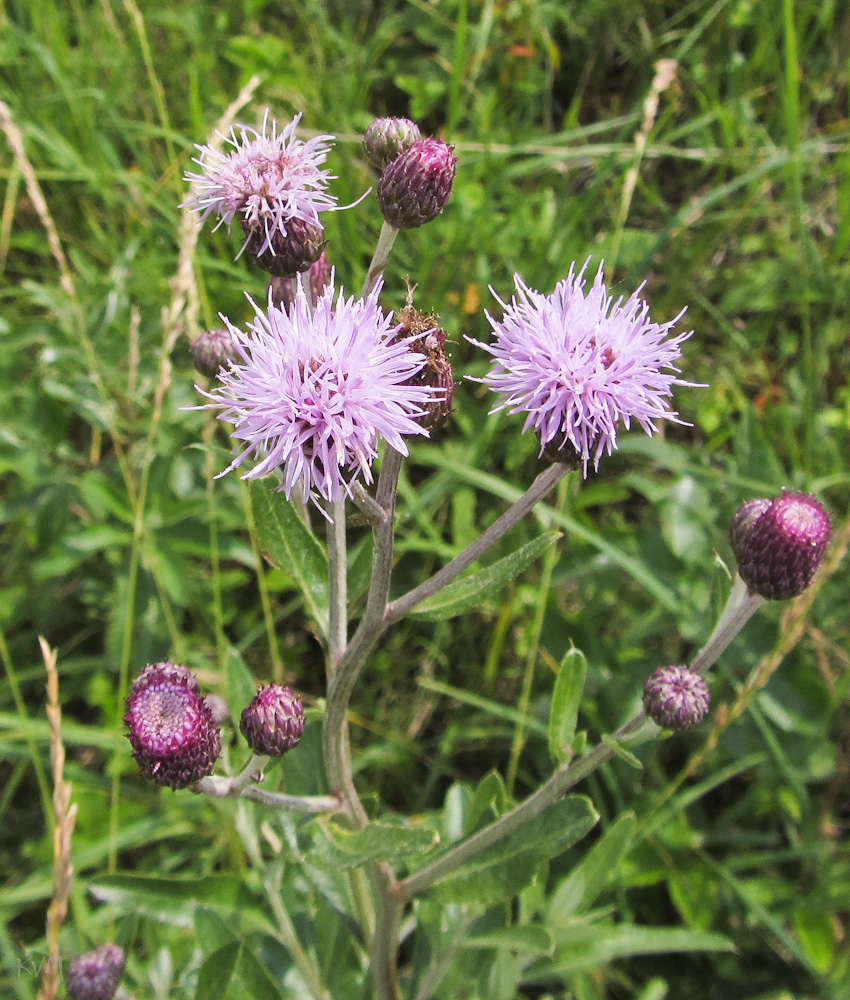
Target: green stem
column 289, row 939
column 380, row 258
column 337, row 585
column 739, row 608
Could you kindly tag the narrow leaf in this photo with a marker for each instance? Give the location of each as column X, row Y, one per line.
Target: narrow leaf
column 287, row 543
column 563, row 714
column 338, row 848
column 579, row 889
column 471, row 591
column 528, row 938
column 617, row 748
column 233, row 972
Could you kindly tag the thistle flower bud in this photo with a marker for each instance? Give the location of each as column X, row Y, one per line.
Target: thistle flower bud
column 96, row 974
column 387, row 138
column 425, row 337
column 283, row 289
column 212, row 350
column 285, row 255
column 675, row 697
column 174, row 738
column 274, row 721
column 779, row 543
column 415, row 187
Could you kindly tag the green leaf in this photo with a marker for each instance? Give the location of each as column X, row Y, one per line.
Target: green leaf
column 175, row 900
column 507, row 866
column 211, row 930
column 563, row 714
column 341, row 848
column 617, row 748
column 471, row 591
column 235, row 973
column 582, row 947
column 286, row 541
column 528, row 938
column 241, row 684
column 579, row 889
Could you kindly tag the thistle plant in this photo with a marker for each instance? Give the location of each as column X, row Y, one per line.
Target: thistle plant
column 325, row 395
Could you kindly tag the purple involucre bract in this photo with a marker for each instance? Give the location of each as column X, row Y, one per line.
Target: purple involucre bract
column 313, row 391
column 579, row 364
column 268, row 179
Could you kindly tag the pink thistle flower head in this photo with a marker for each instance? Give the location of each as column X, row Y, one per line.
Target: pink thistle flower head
column 578, row 364
column 779, row 543
column 96, row 974
column 274, row 721
column 272, row 180
column 313, row 391
column 675, row 697
column 171, row 728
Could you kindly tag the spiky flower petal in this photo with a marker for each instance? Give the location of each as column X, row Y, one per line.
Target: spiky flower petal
column 274, row 721
column 580, row 364
column 314, row 391
column 387, row 138
column 675, row 697
column 270, row 179
column 415, row 187
column 779, row 543
column 174, row 738
column 96, row 974
column 211, row 350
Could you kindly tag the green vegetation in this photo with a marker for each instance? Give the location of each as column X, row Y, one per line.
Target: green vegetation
column 120, row 549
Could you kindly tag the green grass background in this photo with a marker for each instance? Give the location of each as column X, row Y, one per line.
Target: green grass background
column 118, row 548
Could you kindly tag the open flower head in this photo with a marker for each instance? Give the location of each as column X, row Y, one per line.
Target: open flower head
column 312, row 392
column 578, row 364
column 269, row 178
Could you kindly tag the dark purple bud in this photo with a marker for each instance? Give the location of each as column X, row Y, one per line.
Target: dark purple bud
column 174, row 737
column 283, row 289
column 415, row 187
column 675, row 697
column 779, row 543
column 284, row 256
column 274, row 721
column 387, row 138
column 212, row 350
column 96, row 974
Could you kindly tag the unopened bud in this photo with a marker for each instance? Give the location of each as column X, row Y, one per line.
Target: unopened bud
column 174, row 738
column 274, row 721
column 387, row 138
column 415, row 187
column 675, row 697
column 212, row 350
column 779, row 543
column 283, row 289
column 284, row 256
column 96, row 974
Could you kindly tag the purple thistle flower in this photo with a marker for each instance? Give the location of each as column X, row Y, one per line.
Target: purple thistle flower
column 779, row 543
column 274, row 721
column 315, row 390
column 675, row 697
column 579, row 364
column 268, row 179
column 174, row 738
column 96, row 974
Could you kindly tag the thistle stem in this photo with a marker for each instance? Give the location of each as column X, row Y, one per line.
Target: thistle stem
column 538, row 489
column 739, row 609
column 337, row 585
column 380, row 258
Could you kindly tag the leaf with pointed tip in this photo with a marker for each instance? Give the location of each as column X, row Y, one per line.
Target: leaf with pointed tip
column 289, row 544
column 563, row 715
column 471, row 591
